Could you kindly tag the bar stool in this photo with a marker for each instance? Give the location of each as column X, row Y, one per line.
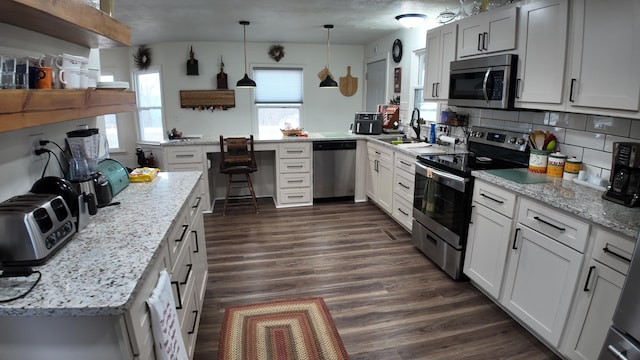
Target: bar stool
column 237, row 159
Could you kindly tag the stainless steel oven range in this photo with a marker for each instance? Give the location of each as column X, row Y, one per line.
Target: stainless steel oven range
column 444, row 187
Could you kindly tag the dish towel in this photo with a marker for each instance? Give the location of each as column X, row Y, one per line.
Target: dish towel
column 165, row 323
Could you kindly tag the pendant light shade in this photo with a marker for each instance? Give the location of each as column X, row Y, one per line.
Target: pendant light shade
column 328, row 82
column 246, row 81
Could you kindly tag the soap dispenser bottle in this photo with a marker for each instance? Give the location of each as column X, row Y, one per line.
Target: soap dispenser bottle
column 432, row 133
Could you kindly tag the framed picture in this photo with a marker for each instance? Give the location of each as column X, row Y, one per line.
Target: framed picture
column 397, row 75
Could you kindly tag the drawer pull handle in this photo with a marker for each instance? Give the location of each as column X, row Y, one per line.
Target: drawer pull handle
column 294, row 166
column 404, row 163
column 404, row 213
column 573, row 84
column 490, row 198
column 195, row 240
column 197, row 202
column 184, row 232
column 586, row 284
column 186, row 278
column 515, row 238
column 613, row 253
column 296, row 196
column 612, row 349
column 184, row 155
column 294, row 181
column 550, row 224
column 294, row 151
column 472, row 207
column 179, row 305
column 404, row 186
column 195, row 321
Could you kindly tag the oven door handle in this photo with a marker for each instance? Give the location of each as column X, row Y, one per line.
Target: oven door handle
column 484, row 85
column 453, row 181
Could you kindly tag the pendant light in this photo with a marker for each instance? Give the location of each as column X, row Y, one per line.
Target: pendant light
column 328, row 82
column 246, row 81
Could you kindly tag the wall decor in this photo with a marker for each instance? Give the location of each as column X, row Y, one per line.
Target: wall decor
column 276, row 52
column 207, row 99
column 348, row 84
column 192, row 64
column 142, row 57
column 221, row 78
column 396, row 50
column 397, row 76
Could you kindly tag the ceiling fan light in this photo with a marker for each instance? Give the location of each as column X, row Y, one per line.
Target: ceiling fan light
column 411, row 21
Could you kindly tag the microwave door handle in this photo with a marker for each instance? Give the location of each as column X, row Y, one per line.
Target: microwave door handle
column 484, row 85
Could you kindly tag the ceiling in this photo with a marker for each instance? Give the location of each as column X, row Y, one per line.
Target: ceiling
column 356, row 22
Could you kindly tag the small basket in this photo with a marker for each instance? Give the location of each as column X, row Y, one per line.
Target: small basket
column 293, row 132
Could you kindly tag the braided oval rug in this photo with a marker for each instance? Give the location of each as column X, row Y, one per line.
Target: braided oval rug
column 282, row 330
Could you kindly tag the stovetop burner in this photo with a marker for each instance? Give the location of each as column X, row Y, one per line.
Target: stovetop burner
column 488, row 149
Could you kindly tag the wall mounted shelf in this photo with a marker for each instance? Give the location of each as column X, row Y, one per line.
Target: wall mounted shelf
column 207, row 99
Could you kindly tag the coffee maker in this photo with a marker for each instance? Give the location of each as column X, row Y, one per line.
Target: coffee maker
column 84, row 145
column 625, row 175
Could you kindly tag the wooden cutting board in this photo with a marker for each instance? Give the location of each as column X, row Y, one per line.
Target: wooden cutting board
column 348, row 84
column 323, row 73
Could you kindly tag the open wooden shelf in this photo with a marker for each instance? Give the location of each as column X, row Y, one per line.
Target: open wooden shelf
column 198, row 99
column 21, row 109
column 69, row 20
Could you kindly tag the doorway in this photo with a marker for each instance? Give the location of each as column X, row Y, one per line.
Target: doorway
column 376, row 84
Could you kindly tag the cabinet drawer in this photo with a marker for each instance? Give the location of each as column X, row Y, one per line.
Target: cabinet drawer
column 495, row 198
column 295, row 150
column 195, row 203
column 612, row 249
column 557, row 225
column 380, row 153
column 295, row 180
column 402, row 211
column 185, row 167
column 182, row 279
column 177, row 238
column 184, row 154
column 295, row 165
column 406, row 163
column 294, row 196
column 403, row 184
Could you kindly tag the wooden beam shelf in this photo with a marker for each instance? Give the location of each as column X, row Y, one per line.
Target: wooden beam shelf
column 207, row 99
column 69, row 20
column 22, row 109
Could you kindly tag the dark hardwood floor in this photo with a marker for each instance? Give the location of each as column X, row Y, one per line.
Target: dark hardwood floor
column 388, row 301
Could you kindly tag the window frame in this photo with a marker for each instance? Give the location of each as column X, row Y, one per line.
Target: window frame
column 100, row 120
column 134, row 76
column 257, row 106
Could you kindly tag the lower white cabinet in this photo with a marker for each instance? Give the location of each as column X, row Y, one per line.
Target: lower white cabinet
column 403, row 186
column 380, row 176
column 189, row 158
column 294, row 186
column 540, row 279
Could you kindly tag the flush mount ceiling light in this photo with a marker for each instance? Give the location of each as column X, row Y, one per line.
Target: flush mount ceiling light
column 411, row 20
column 246, row 81
column 328, row 82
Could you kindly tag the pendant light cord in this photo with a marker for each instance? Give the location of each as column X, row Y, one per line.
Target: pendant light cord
column 329, row 49
column 244, row 42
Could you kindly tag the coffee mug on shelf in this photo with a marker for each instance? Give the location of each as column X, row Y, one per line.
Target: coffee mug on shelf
column 69, row 78
column 44, row 78
column 67, row 61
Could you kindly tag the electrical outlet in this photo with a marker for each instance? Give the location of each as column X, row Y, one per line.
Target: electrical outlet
column 34, row 140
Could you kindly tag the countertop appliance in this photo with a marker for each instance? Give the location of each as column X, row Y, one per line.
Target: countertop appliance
column 116, row 173
column 625, row 174
column 623, row 339
column 486, row 82
column 334, row 170
column 367, row 123
column 444, row 187
column 33, row 228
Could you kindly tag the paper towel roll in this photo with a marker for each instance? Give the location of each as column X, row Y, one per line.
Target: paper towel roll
column 448, row 139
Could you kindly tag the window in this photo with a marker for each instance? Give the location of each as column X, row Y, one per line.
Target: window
column 278, row 98
column 108, row 124
column 149, row 94
column 428, row 110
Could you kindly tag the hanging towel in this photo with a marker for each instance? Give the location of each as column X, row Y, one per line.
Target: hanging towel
column 165, row 323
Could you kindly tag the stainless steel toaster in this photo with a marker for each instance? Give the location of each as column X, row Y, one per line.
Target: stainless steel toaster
column 32, row 228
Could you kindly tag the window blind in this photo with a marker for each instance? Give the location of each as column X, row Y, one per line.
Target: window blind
column 278, row 85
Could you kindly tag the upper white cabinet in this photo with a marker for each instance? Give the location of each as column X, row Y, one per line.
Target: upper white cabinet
column 487, row 32
column 542, row 48
column 604, row 58
column 441, row 50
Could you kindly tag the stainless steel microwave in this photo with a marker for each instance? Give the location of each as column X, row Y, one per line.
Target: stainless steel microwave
column 487, row 82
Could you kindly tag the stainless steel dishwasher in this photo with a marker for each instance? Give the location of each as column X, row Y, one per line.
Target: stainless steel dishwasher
column 334, row 169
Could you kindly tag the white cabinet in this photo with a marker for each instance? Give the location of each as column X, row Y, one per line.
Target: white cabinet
column 542, row 48
column 597, row 296
column 403, row 186
column 189, row 158
column 543, row 268
column 489, row 236
column 294, row 186
column 441, row 50
column 604, row 58
column 380, row 176
column 488, row 32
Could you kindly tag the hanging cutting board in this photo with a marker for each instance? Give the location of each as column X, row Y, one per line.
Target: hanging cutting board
column 323, row 73
column 348, row 84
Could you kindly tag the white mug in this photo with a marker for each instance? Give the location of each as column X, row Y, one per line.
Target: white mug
column 69, row 78
column 84, row 78
column 67, row 61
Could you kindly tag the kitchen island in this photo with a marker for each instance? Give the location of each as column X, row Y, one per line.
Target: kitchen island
column 90, row 301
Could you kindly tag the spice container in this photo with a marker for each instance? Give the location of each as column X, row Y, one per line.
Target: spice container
column 538, row 161
column 555, row 164
column 572, row 168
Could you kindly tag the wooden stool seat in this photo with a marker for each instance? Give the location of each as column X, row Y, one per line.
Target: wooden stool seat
column 238, row 158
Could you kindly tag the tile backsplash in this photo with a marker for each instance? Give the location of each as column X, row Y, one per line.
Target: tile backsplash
column 589, row 138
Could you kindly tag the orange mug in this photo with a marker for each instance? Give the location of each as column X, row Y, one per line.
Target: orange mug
column 45, row 78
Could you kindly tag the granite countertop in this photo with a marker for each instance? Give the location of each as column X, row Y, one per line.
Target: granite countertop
column 579, row 200
column 99, row 270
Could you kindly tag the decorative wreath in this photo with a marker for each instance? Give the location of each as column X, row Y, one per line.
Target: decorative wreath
column 143, row 57
column 276, row 52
